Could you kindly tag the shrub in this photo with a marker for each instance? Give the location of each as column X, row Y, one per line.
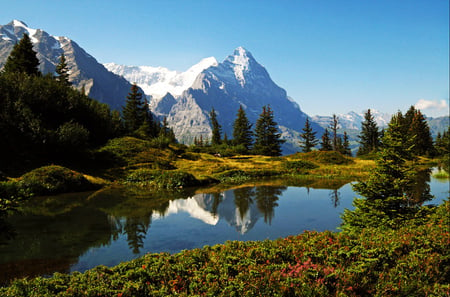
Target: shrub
column 325, row 157
column 175, row 179
column 54, row 179
column 299, row 166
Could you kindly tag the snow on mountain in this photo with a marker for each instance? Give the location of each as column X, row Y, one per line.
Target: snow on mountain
column 238, row 80
column 352, row 120
column 158, row 81
column 84, row 70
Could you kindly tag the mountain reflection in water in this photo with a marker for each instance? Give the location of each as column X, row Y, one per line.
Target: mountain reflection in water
column 78, row 231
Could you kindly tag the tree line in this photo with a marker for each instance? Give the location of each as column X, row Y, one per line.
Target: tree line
column 44, row 119
column 413, row 125
column 264, row 139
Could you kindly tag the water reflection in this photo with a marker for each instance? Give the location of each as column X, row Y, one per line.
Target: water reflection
column 79, row 231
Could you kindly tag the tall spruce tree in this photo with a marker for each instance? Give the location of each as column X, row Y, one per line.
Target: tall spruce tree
column 62, row 71
column 242, row 130
column 419, row 131
column 345, row 147
column 308, row 138
column 216, row 128
column 325, row 144
column 22, row 58
column 387, row 193
column 369, row 138
column 267, row 138
column 133, row 113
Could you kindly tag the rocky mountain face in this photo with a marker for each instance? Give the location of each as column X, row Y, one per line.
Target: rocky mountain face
column 85, row 71
column 238, row 80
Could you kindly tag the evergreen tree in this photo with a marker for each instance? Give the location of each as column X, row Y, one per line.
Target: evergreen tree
column 216, row 128
column 325, row 144
column 22, row 58
column 334, row 127
column 133, row 112
column 346, row 146
column 388, row 200
column 242, row 133
column 267, row 138
column 309, row 138
column 62, row 71
column 419, row 131
column 369, row 138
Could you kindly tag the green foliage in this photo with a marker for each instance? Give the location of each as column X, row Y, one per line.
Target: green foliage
column 267, row 138
column 325, row 144
column 72, row 136
column 389, row 199
column 133, row 114
column 62, row 71
column 39, row 116
column 410, row 261
column 309, row 138
column 242, row 133
column 161, row 179
column 325, row 157
column 54, row 179
column 299, row 166
column 369, row 138
column 216, row 128
column 22, row 58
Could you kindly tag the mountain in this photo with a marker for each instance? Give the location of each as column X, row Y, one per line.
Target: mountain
column 352, row 120
column 85, row 71
column 438, row 125
column 158, row 81
column 186, row 98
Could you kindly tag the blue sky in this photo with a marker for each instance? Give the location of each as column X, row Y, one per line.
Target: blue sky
column 330, row 56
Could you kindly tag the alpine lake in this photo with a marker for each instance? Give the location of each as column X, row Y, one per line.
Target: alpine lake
column 78, row 231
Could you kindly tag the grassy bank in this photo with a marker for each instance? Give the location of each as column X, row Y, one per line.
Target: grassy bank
column 410, row 261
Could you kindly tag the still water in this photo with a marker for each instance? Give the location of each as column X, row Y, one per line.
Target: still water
column 75, row 232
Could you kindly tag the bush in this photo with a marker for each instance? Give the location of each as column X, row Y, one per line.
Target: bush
column 299, row 166
column 325, row 157
column 54, row 179
column 168, row 180
column 72, row 136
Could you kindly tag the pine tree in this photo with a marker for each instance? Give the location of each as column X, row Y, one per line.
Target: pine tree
column 309, row 138
column 22, row 58
column 419, row 131
column 388, row 200
column 267, row 138
column 369, row 138
column 216, row 128
column 62, row 71
column 325, row 144
column 346, row 146
column 334, row 125
column 242, row 133
column 133, row 112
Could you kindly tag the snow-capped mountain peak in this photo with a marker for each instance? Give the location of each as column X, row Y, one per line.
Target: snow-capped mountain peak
column 240, row 62
column 158, row 81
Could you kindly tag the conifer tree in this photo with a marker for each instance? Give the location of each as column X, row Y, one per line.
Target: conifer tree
column 346, row 145
column 325, row 144
column 369, row 138
column 267, row 138
column 133, row 112
column 242, row 133
column 309, row 138
column 334, row 127
column 22, row 58
column 419, row 131
column 62, row 71
column 216, row 128
column 388, row 200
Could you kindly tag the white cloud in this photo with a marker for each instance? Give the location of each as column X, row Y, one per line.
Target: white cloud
column 435, row 105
